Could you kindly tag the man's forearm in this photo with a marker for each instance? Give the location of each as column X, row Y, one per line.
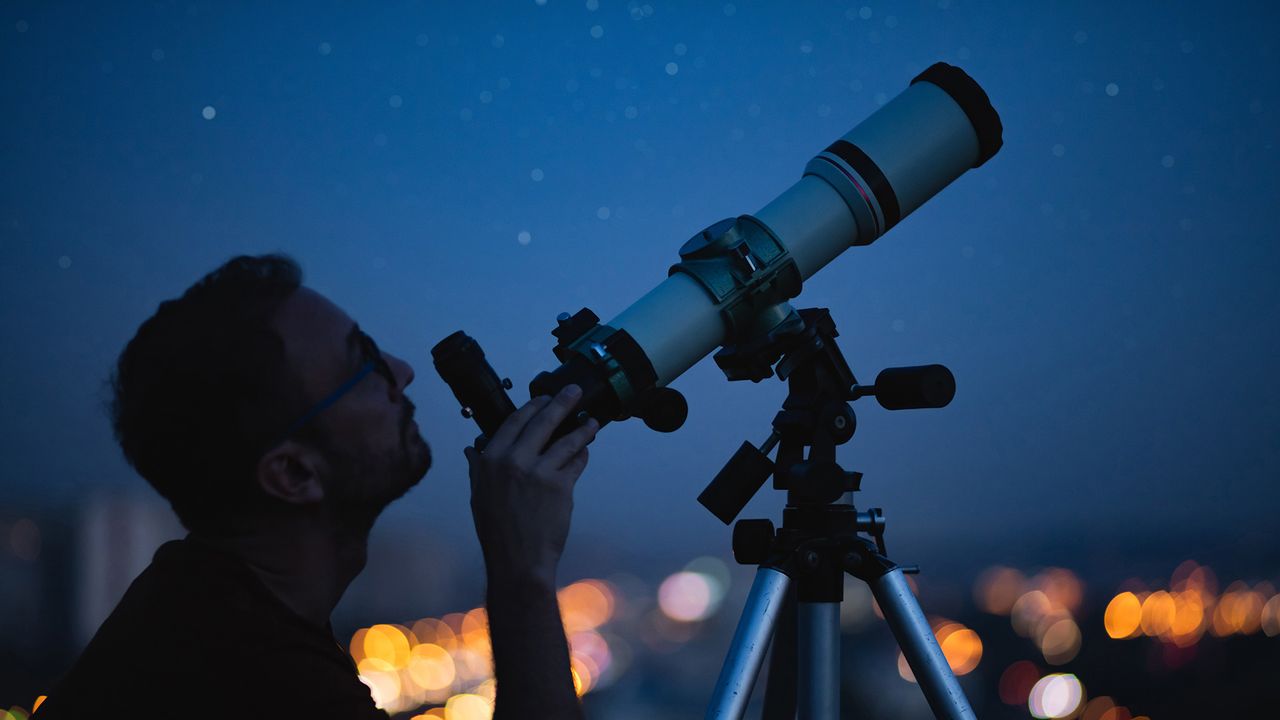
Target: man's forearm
column 530, row 654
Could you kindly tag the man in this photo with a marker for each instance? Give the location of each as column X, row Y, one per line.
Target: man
column 278, row 431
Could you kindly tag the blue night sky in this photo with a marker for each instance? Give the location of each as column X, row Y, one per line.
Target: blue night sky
column 1104, row 289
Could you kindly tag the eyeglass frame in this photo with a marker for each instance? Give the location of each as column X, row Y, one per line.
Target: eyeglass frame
column 375, row 362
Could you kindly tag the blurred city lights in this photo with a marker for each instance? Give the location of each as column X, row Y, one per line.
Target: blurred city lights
column 447, row 661
column 1055, row 696
column 1182, row 615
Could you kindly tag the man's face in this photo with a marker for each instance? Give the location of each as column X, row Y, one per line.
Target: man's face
column 374, row 446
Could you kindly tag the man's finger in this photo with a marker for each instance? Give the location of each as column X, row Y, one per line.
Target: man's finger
column 538, row 431
column 515, row 423
column 576, row 465
column 570, row 445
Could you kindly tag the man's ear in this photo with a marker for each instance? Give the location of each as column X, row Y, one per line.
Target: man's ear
column 291, row 472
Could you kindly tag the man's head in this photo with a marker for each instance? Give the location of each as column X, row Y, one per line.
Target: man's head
column 236, row 402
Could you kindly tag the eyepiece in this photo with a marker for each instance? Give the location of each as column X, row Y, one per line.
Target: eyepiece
column 461, row 364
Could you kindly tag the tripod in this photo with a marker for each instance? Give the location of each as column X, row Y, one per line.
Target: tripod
column 799, row 583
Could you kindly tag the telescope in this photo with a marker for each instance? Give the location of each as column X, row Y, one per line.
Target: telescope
column 732, row 285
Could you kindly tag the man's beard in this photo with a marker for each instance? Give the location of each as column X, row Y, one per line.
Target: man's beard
column 364, row 484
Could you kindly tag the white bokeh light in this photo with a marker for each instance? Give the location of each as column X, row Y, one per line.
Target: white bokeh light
column 209, row 112
column 685, row 596
column 1055, row 696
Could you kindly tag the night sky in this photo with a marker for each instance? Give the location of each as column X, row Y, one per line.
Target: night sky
column 1104, row 289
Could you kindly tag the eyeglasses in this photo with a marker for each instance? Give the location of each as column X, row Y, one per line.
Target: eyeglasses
column 374, row 361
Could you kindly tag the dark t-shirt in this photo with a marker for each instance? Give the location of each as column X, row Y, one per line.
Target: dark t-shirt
column 198, row 635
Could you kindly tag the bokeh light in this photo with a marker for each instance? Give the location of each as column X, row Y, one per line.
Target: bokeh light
column 686, row 596
column 586, row 605
column 1016, row 682
column 1060, row 643
column 387, row 643
column 961, row 646
column 384, row 684
column 431, row 667
column 1097, row 707
column 448, row 661
column 1271, row 617
column 466, row 706
column 998, row 588
column 1061, row 586
column 1028, row 611
column 1055, row 696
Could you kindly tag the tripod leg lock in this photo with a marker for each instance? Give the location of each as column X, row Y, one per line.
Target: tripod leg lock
column 864, row 561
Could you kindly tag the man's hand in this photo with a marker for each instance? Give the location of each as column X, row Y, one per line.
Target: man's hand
column 522, row 496
column 521, row 500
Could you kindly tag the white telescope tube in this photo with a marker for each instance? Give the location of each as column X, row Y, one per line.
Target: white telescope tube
column 854, row 191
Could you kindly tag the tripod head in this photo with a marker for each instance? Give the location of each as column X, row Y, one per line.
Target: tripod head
column 816, row 416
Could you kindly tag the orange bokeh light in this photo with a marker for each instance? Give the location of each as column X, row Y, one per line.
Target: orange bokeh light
column 1123, row 616
column 1158, row 613
column 998, row 588
column 585, row 605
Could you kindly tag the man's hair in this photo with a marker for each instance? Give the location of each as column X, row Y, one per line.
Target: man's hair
column 204, row 389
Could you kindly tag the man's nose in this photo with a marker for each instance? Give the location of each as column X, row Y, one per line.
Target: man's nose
column 401, row 369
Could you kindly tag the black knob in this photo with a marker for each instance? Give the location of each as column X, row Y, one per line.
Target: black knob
column 923, row 386
column 663, row 409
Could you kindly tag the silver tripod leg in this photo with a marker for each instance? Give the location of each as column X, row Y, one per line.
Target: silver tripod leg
column 818, row 638
column 920, row 647
column 750, row 643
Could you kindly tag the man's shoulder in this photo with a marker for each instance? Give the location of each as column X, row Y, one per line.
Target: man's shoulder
column 198, row 624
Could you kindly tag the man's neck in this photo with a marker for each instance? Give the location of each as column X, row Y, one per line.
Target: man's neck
column 307, row 565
